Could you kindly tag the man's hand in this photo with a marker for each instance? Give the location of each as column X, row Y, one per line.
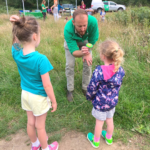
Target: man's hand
column 14, row 18
column 54, row 106
column 85, row 50
column 88, row 59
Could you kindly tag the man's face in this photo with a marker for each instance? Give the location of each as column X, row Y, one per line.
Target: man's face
column 80, row 23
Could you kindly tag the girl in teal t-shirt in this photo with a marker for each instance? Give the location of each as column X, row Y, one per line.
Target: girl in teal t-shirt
column 37, row 91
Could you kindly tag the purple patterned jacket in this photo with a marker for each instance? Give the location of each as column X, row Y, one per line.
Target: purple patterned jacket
column 104, row 93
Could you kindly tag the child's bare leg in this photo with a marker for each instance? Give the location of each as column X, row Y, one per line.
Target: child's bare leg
column 31, row 126
column 110, row 126
column 98, row 128
column 40, row 126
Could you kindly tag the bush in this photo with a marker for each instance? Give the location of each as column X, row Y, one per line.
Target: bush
column 140, row 16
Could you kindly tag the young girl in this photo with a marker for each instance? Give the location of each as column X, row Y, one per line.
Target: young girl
column 37, row 90
column 54, row 10
column 102, row 14
column 103, row 91
column 44, row 9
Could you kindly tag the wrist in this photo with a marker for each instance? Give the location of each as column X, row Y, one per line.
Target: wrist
column 86, row 54
column 54, row 102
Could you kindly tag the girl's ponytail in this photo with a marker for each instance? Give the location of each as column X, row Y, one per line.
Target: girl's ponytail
column 117, row 57
column 113, row 52
column 21, row 22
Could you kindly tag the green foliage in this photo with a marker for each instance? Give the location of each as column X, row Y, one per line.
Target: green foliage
column 4, row 10
column 133, row 2
column 29, row 4
column 32, row 4
column 135, row 15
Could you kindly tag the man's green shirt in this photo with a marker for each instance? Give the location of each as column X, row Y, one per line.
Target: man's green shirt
column 72, row 37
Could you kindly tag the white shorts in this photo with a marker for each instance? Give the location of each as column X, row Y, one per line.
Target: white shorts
column 38, row 104
column 99, row 115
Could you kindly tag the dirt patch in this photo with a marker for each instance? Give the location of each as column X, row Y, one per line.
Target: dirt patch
column 70, row 141
column 19, row 141
column 78, row 141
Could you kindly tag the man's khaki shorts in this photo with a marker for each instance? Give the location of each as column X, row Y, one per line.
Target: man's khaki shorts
column 38, row 104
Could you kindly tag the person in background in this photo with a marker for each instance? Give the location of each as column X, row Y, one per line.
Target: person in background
column 37, row 91
column 103, row 90
column 54, row 10
column 83, row 6
column 102, row 15
column 60, row 7
column 44, row 9
column 89, row 11
column 78, row 7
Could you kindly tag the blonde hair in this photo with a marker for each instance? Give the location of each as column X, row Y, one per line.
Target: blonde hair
column 113, row 52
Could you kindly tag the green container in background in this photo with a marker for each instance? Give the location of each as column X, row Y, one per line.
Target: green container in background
column 34, row 14
column 106, row 7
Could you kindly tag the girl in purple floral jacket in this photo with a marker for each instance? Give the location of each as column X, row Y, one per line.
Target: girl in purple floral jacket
column 103, row 90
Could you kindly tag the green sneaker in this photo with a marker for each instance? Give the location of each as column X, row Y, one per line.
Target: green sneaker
column 108, row 141
column 90, row 137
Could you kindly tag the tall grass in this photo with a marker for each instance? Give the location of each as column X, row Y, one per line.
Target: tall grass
column 133, row 110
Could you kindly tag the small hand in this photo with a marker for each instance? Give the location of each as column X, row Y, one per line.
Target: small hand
column 88, row 59
column 85, row 50
column 14, row 18
column 54, row 106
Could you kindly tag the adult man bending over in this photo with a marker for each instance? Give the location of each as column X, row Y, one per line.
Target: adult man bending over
column 78, row 31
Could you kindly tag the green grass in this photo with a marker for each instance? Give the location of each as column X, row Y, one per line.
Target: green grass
column 133, row 110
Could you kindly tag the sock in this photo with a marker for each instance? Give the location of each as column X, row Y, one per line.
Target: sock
column 47, row 148
column 108, row 136
column 36, row 143
column 96, row 139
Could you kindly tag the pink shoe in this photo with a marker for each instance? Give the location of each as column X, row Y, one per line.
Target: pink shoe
column 36, row 148
column 53, row 146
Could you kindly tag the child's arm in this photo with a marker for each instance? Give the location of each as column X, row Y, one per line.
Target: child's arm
column 93, row 86
column 49, row 90
column 14, row 18
column 52, row 8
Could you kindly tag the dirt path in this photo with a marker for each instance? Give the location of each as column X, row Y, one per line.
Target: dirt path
column 70, row 141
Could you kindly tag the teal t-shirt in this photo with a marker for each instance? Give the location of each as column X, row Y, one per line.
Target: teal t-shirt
column 43, row 10
column 92, row 34
column 31, row 67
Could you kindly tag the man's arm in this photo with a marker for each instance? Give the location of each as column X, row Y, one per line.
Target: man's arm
column 72, row 45
column 80, row 53
column 77, row 53
column 93, row 85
